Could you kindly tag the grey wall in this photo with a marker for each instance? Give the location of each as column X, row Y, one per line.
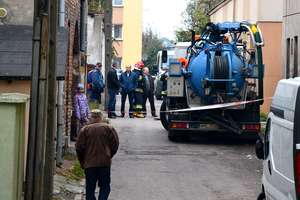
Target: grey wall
column 291, row 29
column 19, row 12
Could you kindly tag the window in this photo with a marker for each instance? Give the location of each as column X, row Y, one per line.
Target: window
column 118, row 32
column 295, row 74
column 118, row 61
column 288, row 47
column 117, row 2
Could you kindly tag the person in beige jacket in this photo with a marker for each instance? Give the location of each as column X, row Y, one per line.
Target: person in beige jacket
column 96, row 145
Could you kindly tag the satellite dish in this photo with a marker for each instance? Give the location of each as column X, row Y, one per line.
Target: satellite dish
column 3, row 13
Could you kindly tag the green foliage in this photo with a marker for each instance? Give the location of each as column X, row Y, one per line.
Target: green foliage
column 77, row 173
column 195, row 18
column 183, row 35
column 263, row 117
column 151, row 45
column 96, row 6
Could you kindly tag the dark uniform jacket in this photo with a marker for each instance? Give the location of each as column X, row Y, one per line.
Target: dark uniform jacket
column 150, row 91
column 112, row 80
column 140, row 82
column 96, row 145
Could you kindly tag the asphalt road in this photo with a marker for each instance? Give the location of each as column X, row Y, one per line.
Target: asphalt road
column 149, row 167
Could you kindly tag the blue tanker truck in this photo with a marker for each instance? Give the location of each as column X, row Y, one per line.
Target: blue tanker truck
column 223, row 66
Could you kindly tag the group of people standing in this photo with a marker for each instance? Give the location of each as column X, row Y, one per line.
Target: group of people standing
column 137, row 85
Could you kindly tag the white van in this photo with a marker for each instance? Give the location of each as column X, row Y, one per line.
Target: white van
column 280, row 147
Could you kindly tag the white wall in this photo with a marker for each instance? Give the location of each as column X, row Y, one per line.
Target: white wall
column 95, row 36
column 270, row 10
column 252, row 11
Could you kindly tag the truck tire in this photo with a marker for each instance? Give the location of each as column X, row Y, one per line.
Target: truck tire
column 173, row 137
column 163, row 115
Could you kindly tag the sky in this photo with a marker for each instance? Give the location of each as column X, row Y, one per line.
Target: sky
column 163, row 16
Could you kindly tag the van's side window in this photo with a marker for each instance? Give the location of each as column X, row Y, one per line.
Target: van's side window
column 267, row 139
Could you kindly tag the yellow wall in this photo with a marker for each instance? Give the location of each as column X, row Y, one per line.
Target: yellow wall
column 132, row 32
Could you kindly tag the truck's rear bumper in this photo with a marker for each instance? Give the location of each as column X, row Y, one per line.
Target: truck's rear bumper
column 198, row 127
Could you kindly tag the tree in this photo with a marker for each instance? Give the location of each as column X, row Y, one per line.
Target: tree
column 151, row 45
column 96, row 6
column 195, row 18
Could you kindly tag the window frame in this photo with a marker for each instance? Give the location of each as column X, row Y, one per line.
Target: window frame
column 288, row 58
column 117, row 5
column 121, row 32
column 295, row 70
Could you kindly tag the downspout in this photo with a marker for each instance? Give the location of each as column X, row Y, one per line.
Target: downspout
column 61, row 13
column 60, row 123
column 60, row 99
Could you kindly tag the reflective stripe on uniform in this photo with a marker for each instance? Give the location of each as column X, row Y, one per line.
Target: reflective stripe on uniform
column 139, row 90
column 138, row 106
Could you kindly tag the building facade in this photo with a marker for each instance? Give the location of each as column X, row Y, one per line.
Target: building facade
column 270, row 23
column 71, row 49
column 127, row 31
column 291, row 33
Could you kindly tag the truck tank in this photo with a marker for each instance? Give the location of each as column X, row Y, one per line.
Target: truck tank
column 220, row 64
column 224, row 65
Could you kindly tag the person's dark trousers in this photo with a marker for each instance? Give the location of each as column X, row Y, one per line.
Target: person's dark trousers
column 138, row 101
column 99, row 98
column 150, row 97
column 112, row 101
column 124, row 97
column 100, row 175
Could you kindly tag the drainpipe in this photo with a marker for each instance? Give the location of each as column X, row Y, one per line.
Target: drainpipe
column 60, row 124
column 60, row 99
column 61, row 13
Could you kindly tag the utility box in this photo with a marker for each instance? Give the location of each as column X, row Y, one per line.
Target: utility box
column 13, row 112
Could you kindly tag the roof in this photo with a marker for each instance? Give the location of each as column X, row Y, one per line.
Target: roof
column 16, row 52
column 218, row 7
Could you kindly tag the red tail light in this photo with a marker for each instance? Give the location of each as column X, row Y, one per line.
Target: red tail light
column 297, row 173
column 252, row 127
column 179, row 125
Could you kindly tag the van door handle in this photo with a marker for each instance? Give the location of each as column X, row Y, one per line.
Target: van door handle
column 270, row 167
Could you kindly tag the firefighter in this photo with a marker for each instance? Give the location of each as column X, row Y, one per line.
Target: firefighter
column 139, row 90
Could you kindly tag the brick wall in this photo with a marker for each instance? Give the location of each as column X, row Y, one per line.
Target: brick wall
column 72, row 19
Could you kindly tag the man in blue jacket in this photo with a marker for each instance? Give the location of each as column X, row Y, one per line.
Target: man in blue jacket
column 128, row 85
column 96, row 83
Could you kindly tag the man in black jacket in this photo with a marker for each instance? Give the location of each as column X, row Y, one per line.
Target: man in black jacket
column 149, row 92
column 113, row 86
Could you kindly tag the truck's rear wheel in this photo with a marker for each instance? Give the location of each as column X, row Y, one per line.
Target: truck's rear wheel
column 178, row 136
column 164, row 116
column 173, row 137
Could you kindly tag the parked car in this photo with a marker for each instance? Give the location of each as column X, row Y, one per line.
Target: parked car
column 280, row 146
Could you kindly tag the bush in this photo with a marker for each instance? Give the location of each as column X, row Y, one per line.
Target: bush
column 263, row 117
